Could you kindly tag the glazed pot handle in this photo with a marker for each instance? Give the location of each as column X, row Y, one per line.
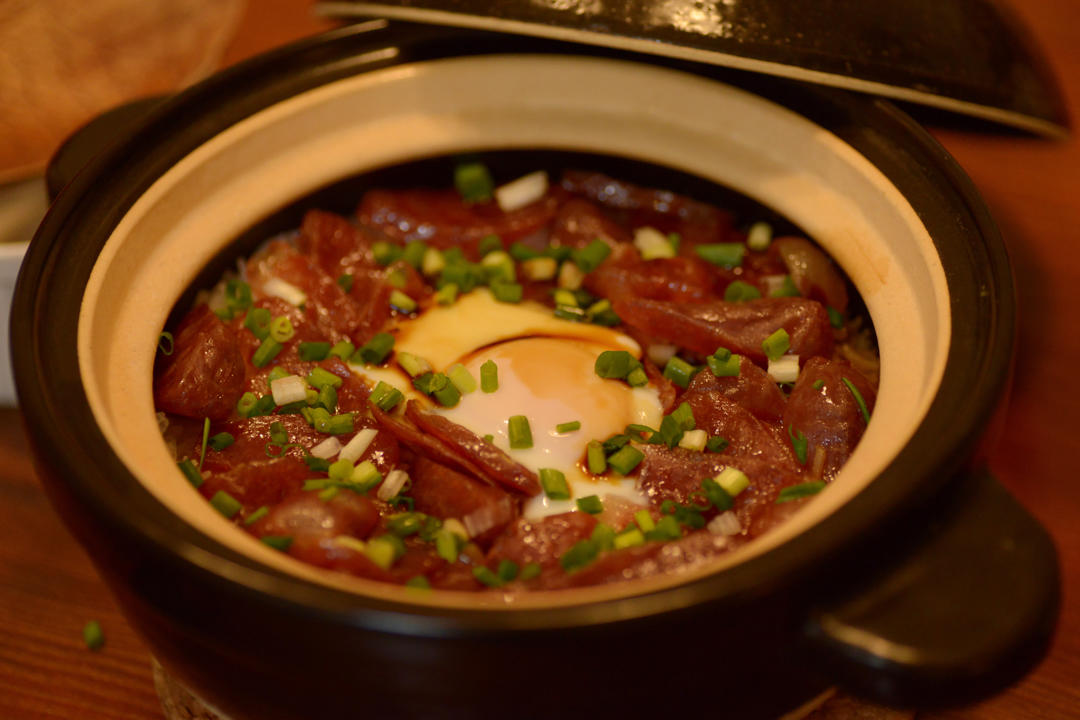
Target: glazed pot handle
column 956, row 615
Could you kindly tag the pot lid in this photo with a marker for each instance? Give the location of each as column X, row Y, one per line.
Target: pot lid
column 964, row 56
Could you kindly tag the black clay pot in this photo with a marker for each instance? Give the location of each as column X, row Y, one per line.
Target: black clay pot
column 915, row 580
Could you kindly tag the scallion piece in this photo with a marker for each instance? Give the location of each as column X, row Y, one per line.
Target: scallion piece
column 507, row 292
column 258, row 322
column 798, row 443
column 257, row 515
column 166, row 343
column 384, row 550
column 589, row 257
column 717, row 495
column 413, row 364
column 684, row 415
column 191, row 472
column 733, row 480
column 520, row 432
column 625, row 459
column 522, row 252
column 375, row 350
column 447, row 294
column 489, row 243
column 278, row 542
column 221, row 441
column 405, row 524
column 836, row 318
column 281, row 329
column 590, row 504
column 644, row 520
column 794, row 492
column 225, row 503
column 489, row 376
column 716, row 444
column 448, row 544
column 615, row 364
column 462, row 378
column 386, row 253
column 473, row 182
column 278, row 435
column 787, row 288
column 313, row 351
column 776, row 344
column 858, row 399
column 267, row 351
column 448, row 395
column 818, row 384
column 339, row 424
column 629, row 538
column 723, row 254
column 554, row 484
column 385, row 396
column 667, row 528
column 637, row 377
column 529, row 571
column 740, row 291
column 507, row 570
column 345, row 282
column 93, row 636
column 414, row 253
column 679, row 372
column 487, row 577
column 402, row 302
column 396, row 278
column 728, row 367
column 580, row 555
column 319, row 378
column 595, row 458
column 568, row 426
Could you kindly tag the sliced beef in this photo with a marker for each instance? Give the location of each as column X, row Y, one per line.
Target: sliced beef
column 446, row 493
column 205, row 375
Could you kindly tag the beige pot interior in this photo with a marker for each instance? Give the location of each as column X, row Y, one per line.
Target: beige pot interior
column 522, row 102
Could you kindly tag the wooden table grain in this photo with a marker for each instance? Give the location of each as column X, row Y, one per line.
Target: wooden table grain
column 49, row 589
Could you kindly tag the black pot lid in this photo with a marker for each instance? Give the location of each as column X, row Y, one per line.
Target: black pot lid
column 964, row 56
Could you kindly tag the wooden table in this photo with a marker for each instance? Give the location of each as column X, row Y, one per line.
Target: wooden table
column 48, row 589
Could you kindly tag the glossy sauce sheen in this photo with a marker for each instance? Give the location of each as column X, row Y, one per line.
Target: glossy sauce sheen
column 521, row 539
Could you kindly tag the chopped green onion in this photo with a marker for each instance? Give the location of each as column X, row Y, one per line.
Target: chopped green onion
column 836, row 318
column 166, row 343
column 327, row 397
column 414, row 253
column 595, row 458
column 728, row 367
column 798, row 443
column 615, row 442
column 489, row 438
column 225, row 503
column 384, row 550
column 447, row 294
column 794, row 492
column 487, row 577
column 338, row 425
column 590, row 504
column 652, row 244
column 733, row 480
column 365, row 476
column 566, row 298
column 316, row 464
column 205, row 438
column 489, row 243
column 522, row 252
column 463, row 274
column 396, row 278
column 589, row 257
column 257, row 515
column 191, row 472
column 719, row 497
column 258, row 322
column 507, row 292
column 684, row 415
column 568, row 426
column 604, row 536
column 278, row 435
column 716, row 444
column 402, row 302
column 341, row 470
column 679, row 371
column 759, row 237
column 629, row 538
column 375, row 350
column 580, row 555
column 413, row 364
column 433, row 263
column 386, row 396
column 615, row 364
column 448, row 395
column 281, row 329
column 626, row 459
column 405, row 524
column 818, row 384
column 740, row 291
column 644, row 520
column 319, row 378
column 776, row 344
column 313, row 351
column 345, row 282
column 278, row 542
column 418, row 582
column 448, row 544
column 637, row 377
column 667, row 528
column 858, row 399
column 489, row 376
column 93, row 636
column 221, row 441
column 462, row 378
column 507, row 570
column 276, row 373
column 473, row 182
column 539, row 268
column 554, row 484
column 329, row 493
column 498, row 267
column 529, row 571
column 520, row 432
column 246, row 404
column 787, row 288
column 722, row 254
column 694, row 440
column 386, row 253
column 267, row 351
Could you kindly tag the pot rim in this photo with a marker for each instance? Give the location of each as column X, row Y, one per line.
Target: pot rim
column 56, row 413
